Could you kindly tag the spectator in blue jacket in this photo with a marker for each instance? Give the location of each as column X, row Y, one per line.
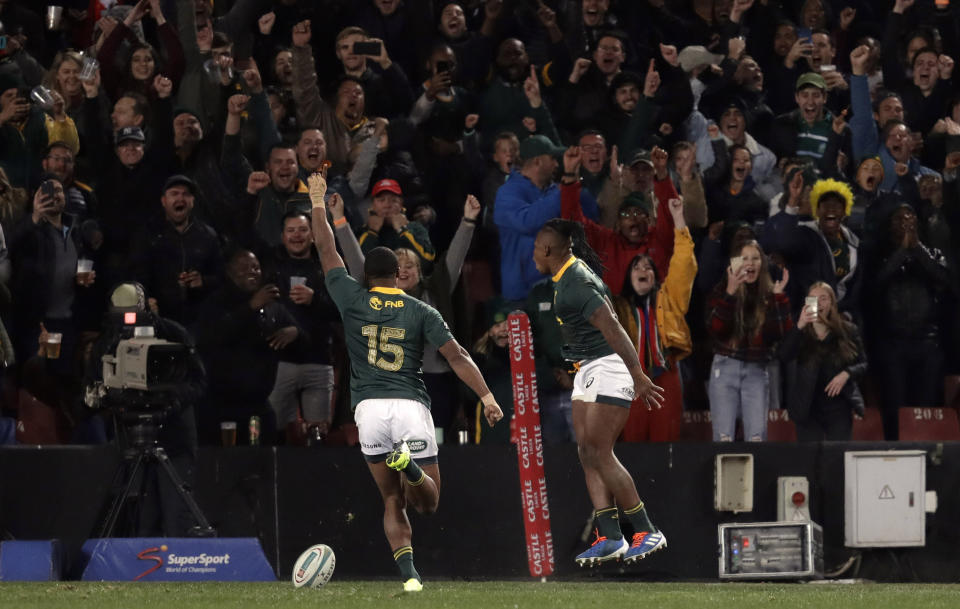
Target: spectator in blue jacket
column 524, row 203
column 891, row 141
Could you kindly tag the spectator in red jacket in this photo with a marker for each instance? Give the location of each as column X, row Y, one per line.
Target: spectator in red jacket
column 633, row 233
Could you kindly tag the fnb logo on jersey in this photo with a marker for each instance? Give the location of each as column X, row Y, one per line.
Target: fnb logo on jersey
column 376, row 304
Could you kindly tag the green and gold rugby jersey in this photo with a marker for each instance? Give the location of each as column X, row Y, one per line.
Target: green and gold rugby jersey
column 577, row 293
column 385, row 332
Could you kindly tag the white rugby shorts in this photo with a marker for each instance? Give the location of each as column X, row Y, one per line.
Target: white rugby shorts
column 384, row 422
column 605, row 380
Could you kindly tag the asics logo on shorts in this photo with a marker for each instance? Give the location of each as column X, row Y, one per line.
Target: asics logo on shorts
column 589, row 382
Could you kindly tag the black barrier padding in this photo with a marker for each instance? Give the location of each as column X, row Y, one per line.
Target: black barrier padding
column 326, row 495
column 55, row 492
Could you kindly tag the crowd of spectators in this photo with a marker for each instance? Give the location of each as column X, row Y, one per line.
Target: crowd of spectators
column 771, row 185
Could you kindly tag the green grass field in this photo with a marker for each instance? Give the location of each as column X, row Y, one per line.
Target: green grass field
column 485, row 595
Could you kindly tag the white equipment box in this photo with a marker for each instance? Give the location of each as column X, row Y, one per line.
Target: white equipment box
column 884, row 498
column 733, row 483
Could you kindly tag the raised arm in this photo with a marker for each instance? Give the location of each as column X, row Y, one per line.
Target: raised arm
column 461, row 240
column 604, row 320
column 466, row 370
column 348, row 241
column 322, row 233
column 306, row 92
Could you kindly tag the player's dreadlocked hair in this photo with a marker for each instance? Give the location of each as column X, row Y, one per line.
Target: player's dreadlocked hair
column 577, row 238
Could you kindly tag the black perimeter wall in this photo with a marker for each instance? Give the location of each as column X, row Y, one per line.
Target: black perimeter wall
column 293, row 497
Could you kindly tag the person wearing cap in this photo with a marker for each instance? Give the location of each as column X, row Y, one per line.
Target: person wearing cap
column 492, row 356
column 130, row 174
column 524, row 203
column 130, row 182
column 388, row 226
column 178, row 261
column 633, row 233
column 808, row 131
column 652, row 309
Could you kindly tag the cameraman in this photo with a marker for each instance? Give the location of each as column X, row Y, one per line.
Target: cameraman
column 172, row 411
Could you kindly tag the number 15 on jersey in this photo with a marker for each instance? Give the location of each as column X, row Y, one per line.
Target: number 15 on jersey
column 374, row 357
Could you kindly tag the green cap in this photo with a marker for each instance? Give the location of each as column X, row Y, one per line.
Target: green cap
column 641, row 156
column 637, row 199
column 537, row 145
column 811, row 79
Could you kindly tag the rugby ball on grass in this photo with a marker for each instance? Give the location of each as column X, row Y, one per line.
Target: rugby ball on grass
column 314, row 568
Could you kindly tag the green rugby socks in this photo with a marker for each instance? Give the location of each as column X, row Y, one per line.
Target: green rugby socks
column 637, row 515
column 404, row 558
column 608, row 523
column 413, row 472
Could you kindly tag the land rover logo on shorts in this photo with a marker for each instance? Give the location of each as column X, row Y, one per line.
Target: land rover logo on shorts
column 589, row 382
column 375, row 303
column 417, row 446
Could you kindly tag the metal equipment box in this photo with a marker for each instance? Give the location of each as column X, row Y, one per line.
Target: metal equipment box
column 771, row 550
column 884, row 498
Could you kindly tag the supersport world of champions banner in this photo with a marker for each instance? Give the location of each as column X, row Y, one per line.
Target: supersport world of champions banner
column 526, row 431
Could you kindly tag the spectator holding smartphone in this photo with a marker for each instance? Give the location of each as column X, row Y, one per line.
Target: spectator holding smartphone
column 747, row 314
column 825, row 358
column 44, row 249
column 386, row 85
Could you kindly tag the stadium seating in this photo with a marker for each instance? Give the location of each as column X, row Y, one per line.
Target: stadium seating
column 869, row 428
column 779, row 426
column 696, row 426
column 929, row 424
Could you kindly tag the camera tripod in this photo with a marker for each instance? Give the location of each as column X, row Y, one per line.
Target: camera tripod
column 144, row 451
